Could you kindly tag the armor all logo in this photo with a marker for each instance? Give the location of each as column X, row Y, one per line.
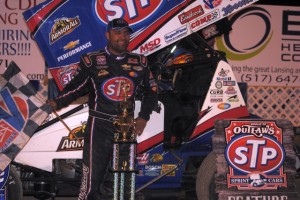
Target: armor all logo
column 62, row 27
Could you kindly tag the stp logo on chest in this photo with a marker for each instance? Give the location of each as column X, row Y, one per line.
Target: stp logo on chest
column 254, row 149
column 133, row 11
column 117, row 88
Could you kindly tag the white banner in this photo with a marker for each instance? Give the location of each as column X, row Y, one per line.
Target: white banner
column 16, row 43
column 263, row 47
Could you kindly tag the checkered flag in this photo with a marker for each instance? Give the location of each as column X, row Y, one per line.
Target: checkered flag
column 22, row 111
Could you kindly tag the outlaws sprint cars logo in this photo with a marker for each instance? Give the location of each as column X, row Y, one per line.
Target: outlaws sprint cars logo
column 255, row 155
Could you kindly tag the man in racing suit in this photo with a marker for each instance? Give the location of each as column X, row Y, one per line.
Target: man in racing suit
column 101, row 74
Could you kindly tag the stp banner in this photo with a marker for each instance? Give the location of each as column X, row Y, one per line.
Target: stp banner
column 65, row 29
column 263, row 47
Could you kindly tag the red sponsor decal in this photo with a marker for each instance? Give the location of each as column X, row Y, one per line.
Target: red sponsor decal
column 191, row 14
column 115, row 88
column 207, row 19
column 131, row 10
column 66, row 74
column 150, row 46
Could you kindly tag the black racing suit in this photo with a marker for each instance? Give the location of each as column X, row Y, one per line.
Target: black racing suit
column 100, row 74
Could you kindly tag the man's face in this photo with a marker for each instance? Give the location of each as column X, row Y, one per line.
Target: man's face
column 118, row 40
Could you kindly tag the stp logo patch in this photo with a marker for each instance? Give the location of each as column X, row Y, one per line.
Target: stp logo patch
column 133, row 11
column 255, row 155
column 248, row 153
column 117, row 88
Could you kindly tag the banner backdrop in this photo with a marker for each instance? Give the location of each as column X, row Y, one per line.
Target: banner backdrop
column 65, row 29
column 263, row 47
column 22, row 110
column 16, row 41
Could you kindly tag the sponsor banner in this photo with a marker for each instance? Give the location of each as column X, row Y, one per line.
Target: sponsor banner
column 255, row 155
column 263, row 46
column 254, row 159
column 22, row 110
column 64, row 30
column 16, row 41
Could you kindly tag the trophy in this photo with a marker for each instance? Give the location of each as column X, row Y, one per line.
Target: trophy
column 124, row 150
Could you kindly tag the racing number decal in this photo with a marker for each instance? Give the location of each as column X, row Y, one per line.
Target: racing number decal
column 113, row 90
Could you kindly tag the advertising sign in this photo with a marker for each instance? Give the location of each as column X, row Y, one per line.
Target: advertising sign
column 254, row 159
column 255, row 155
column 66, row 29
column 263, row 47
column 16, row 41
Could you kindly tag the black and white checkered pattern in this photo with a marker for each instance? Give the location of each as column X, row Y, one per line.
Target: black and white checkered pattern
column 14, row 81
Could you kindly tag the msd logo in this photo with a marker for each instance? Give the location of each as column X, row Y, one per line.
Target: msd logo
column 133, row 11
column 150, row 46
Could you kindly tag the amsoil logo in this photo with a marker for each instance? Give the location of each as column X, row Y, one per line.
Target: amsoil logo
column 133, row 11
column 74, row 141
column 62, row 27
column 255, row 155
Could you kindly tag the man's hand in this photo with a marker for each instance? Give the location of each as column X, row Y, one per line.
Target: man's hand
column 52, row 104
column 140, row 124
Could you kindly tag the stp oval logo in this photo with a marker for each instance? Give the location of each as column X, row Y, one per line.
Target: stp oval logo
column 248, row 154
column 133, row 11
column 114, row 89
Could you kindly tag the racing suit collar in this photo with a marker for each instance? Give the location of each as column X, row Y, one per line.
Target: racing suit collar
column 116, row 57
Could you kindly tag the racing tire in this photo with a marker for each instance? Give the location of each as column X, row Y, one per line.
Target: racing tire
column 205, row 187
column 14, row 185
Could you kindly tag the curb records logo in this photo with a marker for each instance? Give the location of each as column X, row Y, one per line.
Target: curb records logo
column 62, row 27
column 74, row 141
column 132, row 11
column 113, row 88
column 255, row 155
column 234, row 49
